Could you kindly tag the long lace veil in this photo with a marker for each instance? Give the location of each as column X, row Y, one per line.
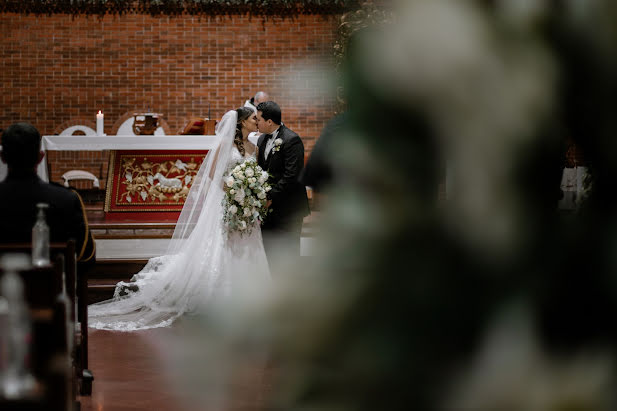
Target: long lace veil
column 211, row 170
column 176, row 282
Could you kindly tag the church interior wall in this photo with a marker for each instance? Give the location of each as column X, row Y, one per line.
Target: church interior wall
column 58, row 68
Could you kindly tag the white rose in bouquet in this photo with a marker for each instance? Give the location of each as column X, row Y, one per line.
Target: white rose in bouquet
column 245, row 189
column 239, row 196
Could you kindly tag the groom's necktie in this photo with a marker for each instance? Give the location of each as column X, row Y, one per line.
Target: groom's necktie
column 268, row 146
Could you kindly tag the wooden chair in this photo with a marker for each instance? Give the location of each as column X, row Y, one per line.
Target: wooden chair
column 198, row 126
column 77, row 290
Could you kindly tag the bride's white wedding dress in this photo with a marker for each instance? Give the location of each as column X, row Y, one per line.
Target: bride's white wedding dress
column 204, row 264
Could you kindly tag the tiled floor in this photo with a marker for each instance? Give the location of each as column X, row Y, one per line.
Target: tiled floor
column 155, row 370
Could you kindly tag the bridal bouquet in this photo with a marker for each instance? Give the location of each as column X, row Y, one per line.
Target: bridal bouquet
column 244, row 203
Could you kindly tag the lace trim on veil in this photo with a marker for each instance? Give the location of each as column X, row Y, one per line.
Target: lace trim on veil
column 190, row 274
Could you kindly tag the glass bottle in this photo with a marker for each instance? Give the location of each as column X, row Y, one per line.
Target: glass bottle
column 60, row 372
column 40, row 238
column 16, row 381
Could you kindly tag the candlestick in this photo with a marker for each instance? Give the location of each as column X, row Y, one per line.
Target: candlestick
column 99, row 123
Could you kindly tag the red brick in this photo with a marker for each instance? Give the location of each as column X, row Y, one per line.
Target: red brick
column 59, row 70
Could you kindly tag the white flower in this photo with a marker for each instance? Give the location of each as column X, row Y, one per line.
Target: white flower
column 232, row 191
column 229, row 181
column 250, row 172
column 242, row 225
column 257, row 203
column 239, row 196
column 262, row 180
column 247, row 211
column 236, row 169
column 243, row 165
column 233, row 209
column 278, row 141
column 268, row 188
column 261, row 195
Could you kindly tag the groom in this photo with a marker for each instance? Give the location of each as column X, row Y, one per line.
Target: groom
column 281, row 154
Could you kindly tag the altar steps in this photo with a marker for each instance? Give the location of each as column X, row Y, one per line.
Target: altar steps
column 124, row 247
column 102, row 279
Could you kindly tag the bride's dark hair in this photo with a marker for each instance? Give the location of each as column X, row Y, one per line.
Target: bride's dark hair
column 243, row 114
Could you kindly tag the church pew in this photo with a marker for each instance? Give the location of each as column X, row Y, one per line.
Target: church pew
column 77, row 289
column 49, row 359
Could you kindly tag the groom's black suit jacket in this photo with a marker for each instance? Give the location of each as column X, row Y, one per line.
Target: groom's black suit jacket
column 288, row 195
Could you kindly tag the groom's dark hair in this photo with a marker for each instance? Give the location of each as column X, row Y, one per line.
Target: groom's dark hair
column 270, row 111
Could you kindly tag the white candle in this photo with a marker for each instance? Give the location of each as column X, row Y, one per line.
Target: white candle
column 99, row 123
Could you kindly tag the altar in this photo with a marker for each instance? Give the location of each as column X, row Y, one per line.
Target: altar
column 122, row 142
column 112, row 245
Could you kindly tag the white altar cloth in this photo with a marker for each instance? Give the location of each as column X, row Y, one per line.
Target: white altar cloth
column 99, row 143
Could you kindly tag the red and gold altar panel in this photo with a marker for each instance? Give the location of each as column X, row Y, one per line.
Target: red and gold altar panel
column 143, row 181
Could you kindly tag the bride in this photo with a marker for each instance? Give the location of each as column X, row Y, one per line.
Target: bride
column 203, row 263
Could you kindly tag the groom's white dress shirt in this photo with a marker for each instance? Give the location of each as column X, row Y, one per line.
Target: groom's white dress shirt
column 270, row 143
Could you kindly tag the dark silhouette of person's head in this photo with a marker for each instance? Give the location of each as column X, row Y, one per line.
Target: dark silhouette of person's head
column 21, row 146
column 270, row 111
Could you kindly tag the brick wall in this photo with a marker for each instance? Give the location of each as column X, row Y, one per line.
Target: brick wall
column 55, row 69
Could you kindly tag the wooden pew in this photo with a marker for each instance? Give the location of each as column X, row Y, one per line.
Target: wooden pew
column 77, row 290
column 49, row 359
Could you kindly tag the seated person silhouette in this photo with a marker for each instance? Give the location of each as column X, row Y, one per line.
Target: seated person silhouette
column 22, row 190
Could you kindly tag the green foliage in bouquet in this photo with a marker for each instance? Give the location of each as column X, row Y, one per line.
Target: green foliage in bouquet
column 244, row 204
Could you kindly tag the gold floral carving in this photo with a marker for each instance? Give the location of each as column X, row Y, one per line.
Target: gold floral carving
column 149, row 181
column 139, row 182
